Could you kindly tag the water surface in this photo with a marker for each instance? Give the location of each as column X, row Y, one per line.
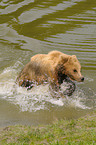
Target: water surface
column 28, row 27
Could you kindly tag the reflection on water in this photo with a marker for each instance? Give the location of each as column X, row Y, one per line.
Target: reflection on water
column 28, row 27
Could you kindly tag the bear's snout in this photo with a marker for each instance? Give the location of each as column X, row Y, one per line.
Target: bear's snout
column 82, row 79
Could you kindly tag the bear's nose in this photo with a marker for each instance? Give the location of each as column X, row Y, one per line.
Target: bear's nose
column 82, row 79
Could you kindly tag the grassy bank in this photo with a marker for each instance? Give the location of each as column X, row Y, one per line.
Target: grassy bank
column 64, row 132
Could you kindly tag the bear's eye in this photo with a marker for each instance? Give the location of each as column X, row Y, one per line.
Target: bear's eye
column 75, row 70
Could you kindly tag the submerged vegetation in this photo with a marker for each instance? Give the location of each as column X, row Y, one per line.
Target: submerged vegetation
column 70, row 132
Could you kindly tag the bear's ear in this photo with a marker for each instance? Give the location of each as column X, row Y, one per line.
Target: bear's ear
column 64, row 58
column 74, row 58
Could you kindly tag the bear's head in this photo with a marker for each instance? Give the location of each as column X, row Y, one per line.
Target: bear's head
column 72, row 67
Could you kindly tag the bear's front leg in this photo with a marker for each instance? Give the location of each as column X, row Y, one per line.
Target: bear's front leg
column 71, row 88
column 55, row 90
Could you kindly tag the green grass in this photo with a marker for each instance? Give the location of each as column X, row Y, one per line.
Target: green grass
column 63, row 132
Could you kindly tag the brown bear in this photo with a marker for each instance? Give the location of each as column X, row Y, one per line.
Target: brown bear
column 54, row 68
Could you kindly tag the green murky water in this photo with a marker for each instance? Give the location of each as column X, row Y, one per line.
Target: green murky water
column 28, row 27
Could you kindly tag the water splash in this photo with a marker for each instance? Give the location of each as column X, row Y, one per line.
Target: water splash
column 38, row 97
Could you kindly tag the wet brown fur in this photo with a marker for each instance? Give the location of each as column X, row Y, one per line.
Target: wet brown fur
column 54, row 67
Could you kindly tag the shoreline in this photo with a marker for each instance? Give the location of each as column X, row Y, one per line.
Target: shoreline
column 74, row 131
